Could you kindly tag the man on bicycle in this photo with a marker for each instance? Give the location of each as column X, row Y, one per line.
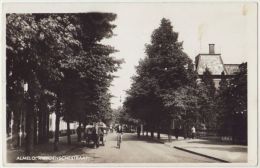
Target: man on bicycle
column 119, row 131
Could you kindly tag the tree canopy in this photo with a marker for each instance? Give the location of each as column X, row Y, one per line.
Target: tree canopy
column 62, row 56
column 164, row 73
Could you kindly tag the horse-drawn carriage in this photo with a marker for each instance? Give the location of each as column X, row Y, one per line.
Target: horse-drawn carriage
column 95, row 135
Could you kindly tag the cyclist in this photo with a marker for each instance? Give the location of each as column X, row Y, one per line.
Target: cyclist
column 119, row 131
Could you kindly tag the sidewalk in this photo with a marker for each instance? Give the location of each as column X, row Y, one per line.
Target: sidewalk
column 218, row 150
column 45, row 149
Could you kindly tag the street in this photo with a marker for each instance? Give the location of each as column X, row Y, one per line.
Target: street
column 133, row 150
column 71, row 77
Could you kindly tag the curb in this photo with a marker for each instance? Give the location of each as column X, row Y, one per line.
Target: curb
column 210, row 157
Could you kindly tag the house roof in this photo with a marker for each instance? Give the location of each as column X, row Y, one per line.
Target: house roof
column 231, row 68
column 211, row 61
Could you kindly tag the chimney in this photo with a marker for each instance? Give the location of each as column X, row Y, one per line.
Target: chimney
column 211, row 49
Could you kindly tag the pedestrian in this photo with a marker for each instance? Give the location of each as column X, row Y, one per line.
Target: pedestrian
column 119, row 131
column 193, row 132
column 176, row 133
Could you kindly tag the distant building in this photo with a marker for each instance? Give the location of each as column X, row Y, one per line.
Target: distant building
column 215, row 64
column 63, row 125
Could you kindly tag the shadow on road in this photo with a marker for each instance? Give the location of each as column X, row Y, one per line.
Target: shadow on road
column 116, row 147
column 133, row 137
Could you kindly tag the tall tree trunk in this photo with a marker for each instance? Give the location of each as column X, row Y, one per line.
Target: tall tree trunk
column 68, row 133
column 23, row 125
column 57, row 126
column 152, row 131
column 147, row 130
column 79, row 132
column 15, row 122
column 8, row 121
column 47, row 126
column 44, row 125
column 41, row 124
column 35, row 136
column 158, row 133
column 169, row 135
column 15, row 129
column 43, row 114
column 84, row 129
column 29, row 127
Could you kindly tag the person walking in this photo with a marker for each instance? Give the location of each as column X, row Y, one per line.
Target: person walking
column 177, row 131
column 119, row 131
column 193, row 132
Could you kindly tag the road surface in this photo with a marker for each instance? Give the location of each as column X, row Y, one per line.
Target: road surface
column 133, row 150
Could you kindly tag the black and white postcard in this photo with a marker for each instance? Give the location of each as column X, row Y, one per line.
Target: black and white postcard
column 128, row 83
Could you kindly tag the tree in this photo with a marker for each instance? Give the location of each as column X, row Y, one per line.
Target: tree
column 232, row 105
column 159, row 75
column 92, row 70
column 224, row 113
column 239, row 89
column 238, row 99
column 206, row 103
column 184, row 103
column 208, row 82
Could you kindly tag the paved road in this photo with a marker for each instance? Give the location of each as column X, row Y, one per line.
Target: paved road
column 134, row 150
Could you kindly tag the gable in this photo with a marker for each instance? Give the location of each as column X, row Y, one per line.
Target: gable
column 213, row 62
column 232, row 68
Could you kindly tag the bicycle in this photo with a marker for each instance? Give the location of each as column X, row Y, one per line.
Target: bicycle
column 119, row 139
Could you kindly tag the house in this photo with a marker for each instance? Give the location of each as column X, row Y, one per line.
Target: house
column 213, row 61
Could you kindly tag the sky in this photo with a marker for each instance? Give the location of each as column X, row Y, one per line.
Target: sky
column 230, row 26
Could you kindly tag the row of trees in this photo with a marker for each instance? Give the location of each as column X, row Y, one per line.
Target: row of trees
column 57, row 63
column 166, row 88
